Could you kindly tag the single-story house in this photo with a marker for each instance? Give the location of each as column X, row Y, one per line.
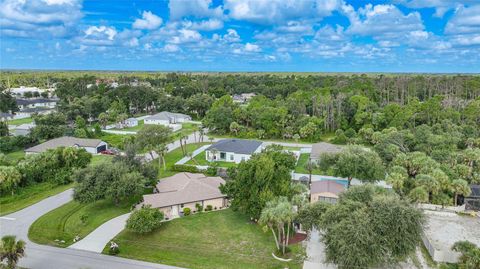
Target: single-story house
column 36, row 102
column 326, row 191
column 93, row 146
column 185, row 190
column 22, row 129
column 6, row 116
column 28, row 112
column 322, row 148
column 472, row 202
column 232, row 150
column 131, row 122
column 167, row 118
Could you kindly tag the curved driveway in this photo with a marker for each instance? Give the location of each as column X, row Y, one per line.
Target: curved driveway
column 47, row 257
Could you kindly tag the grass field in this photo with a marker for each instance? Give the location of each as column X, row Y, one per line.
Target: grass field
column 65, row 222
column 220, row 239
column 28, row 196
column 200, row 159
column 20, row 121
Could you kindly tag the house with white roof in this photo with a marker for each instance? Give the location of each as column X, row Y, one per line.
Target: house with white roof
column 166, row 118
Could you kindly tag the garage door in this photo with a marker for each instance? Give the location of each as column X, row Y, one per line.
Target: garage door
column 101, row 148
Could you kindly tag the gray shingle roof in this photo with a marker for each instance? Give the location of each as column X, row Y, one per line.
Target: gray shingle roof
column 64, row 141
column 320, row 148
column 184, row 188
column 240, row 146
column 35, row 109
column 35, row 101
column 165, row 115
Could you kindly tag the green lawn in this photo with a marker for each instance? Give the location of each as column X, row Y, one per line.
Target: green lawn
column 96, row 159
column 16, row 155
column 113, row 140
column 64, row 223
column 200, row 159
column 221, row 239
column 20, row 121
column 28, row 196
column 174, row 156
column 301, row 166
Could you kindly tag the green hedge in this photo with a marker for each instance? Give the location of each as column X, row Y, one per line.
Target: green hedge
column 186, row 168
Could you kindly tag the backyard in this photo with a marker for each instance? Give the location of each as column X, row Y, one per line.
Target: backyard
column 220, row 239
column 302, row 166
column 174, row 156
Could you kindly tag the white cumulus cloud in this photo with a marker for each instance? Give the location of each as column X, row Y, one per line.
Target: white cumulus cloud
column 149, row 21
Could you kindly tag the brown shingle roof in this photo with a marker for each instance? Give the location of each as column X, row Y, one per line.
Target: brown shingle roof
column 327, row 186
column 64, row 141
column 184, row 188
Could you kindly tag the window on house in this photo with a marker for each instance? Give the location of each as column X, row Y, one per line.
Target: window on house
column 231, row 157
column 181, row 205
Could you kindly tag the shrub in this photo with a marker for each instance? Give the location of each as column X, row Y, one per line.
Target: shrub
column 114, row 249
column 84, row 218
column 144, row 220
column 212, row 170
column 199, row 207
column 186, row 211
column 208, row 208
column 185, row 168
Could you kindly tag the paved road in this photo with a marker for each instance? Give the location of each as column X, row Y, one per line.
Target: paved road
column 46, row 257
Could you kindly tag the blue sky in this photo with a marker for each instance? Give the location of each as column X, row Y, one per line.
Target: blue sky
column 242, row 35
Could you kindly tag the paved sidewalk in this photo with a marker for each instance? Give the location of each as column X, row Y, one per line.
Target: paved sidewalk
column 99, row 238
column 316, row 253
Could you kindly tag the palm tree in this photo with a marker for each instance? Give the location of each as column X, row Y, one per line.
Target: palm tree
column 278, row 212
column 162, row 151
column 460, row 186
column 11, row 250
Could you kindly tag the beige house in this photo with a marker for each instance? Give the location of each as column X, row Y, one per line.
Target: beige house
column 185, row 190
column 326, row 191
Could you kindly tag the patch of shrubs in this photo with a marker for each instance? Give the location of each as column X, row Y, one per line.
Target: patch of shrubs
column 187, row 211
column 208, row 208
column 186, row 168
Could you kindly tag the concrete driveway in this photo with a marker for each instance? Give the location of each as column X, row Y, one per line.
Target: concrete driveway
column 46, row 257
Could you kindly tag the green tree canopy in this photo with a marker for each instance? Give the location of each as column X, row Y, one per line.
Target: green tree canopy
column 264, row 176
column 144, row 220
